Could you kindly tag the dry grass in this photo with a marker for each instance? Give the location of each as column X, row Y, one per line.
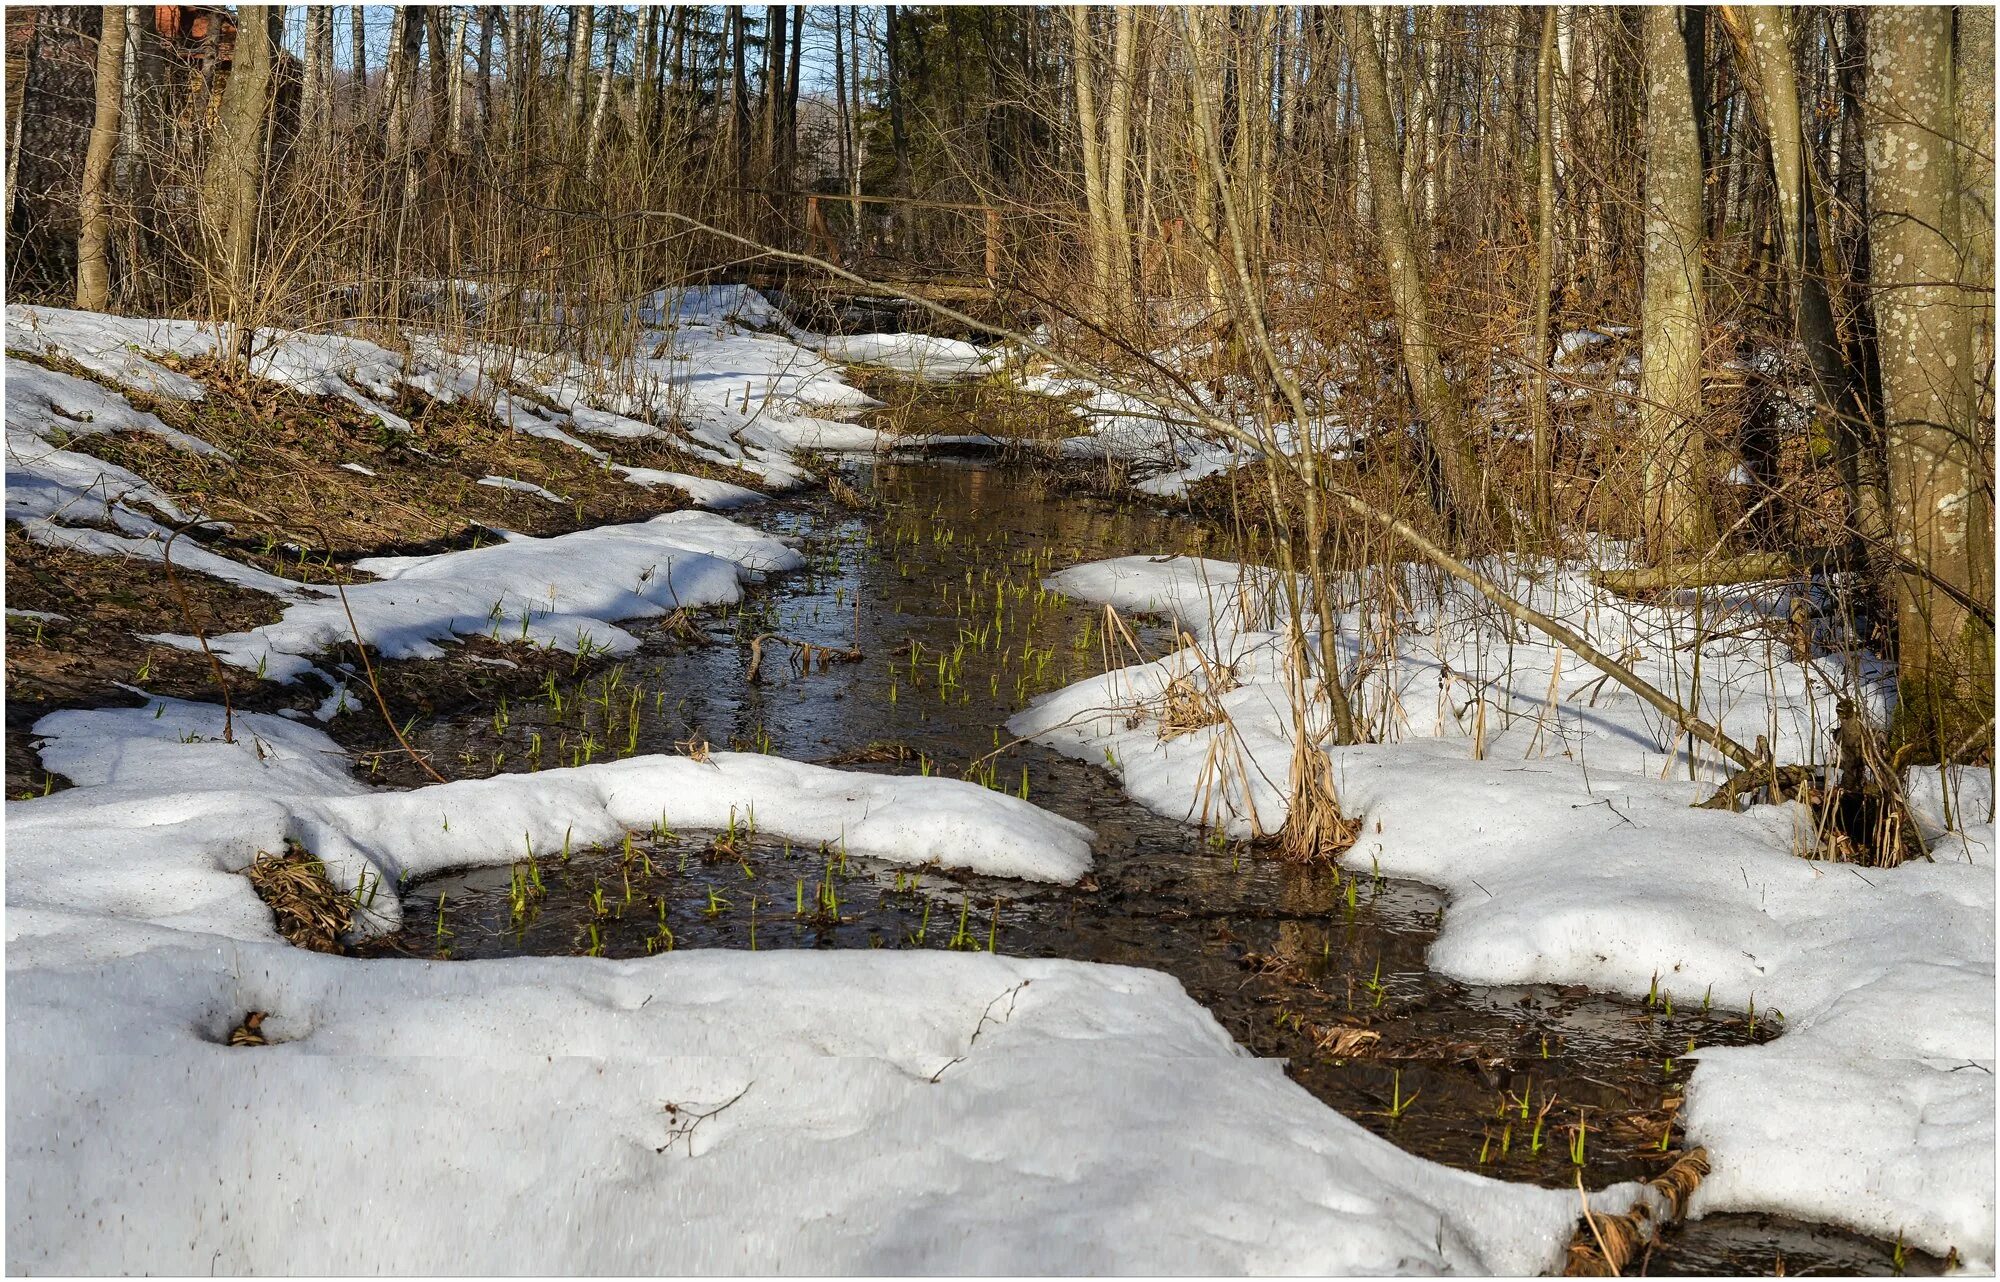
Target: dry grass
column 311, row 913
column 1188, row 706
column 1316, row 830
column 1605, row 1244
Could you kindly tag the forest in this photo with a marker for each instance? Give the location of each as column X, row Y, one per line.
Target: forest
column 1476, row 522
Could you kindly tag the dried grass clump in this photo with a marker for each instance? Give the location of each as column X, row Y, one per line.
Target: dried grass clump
column 846, row 495
column 1316, row 829
column 1188, row 706
column 310, row 911
column 1605, row 1245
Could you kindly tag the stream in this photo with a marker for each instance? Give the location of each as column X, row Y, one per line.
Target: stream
column 936, row 584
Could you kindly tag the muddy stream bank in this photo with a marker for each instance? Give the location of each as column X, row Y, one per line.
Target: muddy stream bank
column 928, row 629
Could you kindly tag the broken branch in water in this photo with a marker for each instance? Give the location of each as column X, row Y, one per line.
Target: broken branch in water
column 805, row 655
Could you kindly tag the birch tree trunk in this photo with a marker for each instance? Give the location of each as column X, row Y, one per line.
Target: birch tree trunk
column 1925, row 317
column 576, row 71
column 600, row 115
column 1674, row 515
column 455, row 83
column 316, row 96
column 1437, row 405
column 357, row 57
column 93, row 260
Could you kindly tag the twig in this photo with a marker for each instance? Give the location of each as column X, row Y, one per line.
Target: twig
column 374, row 687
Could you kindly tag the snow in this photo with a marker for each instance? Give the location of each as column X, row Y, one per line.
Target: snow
column 694, row 1112
column 1558, row 818
column 358, row 468
column 718, row 496
column 519, row 486
column 47, row 402
column 919, row 355
column 567, row 591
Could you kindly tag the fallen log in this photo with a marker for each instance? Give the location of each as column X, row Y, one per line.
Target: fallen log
column 1751, row 567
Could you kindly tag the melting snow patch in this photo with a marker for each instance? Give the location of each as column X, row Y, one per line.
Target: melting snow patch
column 919, row 355
column 718, row 496
column 1574, row 857
column 567, row 591
column 713, row 1111
column 520, row 487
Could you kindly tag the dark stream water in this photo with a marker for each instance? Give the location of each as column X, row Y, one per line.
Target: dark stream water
column 937, row 587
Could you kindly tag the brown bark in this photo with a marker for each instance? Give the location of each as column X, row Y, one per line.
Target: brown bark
column 1437, row 404
column 1675, row 515
column 93, row 265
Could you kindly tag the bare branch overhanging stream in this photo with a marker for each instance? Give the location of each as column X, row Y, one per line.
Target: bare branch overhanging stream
column 1706, row 732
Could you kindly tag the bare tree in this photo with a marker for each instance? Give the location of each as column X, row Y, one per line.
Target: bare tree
column 1676, row 516
column 1438, row 407
column 232, row 186
column 93, row 266
column 1926, row 320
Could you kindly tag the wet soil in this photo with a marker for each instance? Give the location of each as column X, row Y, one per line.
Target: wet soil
column 936, row 584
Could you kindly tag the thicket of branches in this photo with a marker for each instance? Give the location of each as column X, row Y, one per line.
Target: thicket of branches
column 1277, row 223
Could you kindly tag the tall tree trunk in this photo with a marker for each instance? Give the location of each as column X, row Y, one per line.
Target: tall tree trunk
column 439, row 84
column 857, row 141
column 1097, row 235
column 576, row 70
column 357, row 57
column 739, row 104
column 1437, row 404
column 600, row 115
column 1118, row 150
column 488, row 15
column 788, row 128
column 93, row 259
column 1675, row 513
column 1925, row 322
column 1763, row 36
column 316, row 96
column 774, row 86
column 1545, row 265
column 396, row 77
column 232, row 185
column 455, row 83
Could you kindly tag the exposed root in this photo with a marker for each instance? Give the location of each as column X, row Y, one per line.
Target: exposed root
column 311, row 913
column 1605, row 1245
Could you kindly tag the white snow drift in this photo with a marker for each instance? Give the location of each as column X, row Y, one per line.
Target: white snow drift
column 1556, row 810
column 795, row 1112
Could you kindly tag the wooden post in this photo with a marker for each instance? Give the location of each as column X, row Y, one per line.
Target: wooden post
column 993, row 248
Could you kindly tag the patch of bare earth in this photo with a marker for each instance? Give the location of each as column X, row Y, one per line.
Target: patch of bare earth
column 295, row 511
